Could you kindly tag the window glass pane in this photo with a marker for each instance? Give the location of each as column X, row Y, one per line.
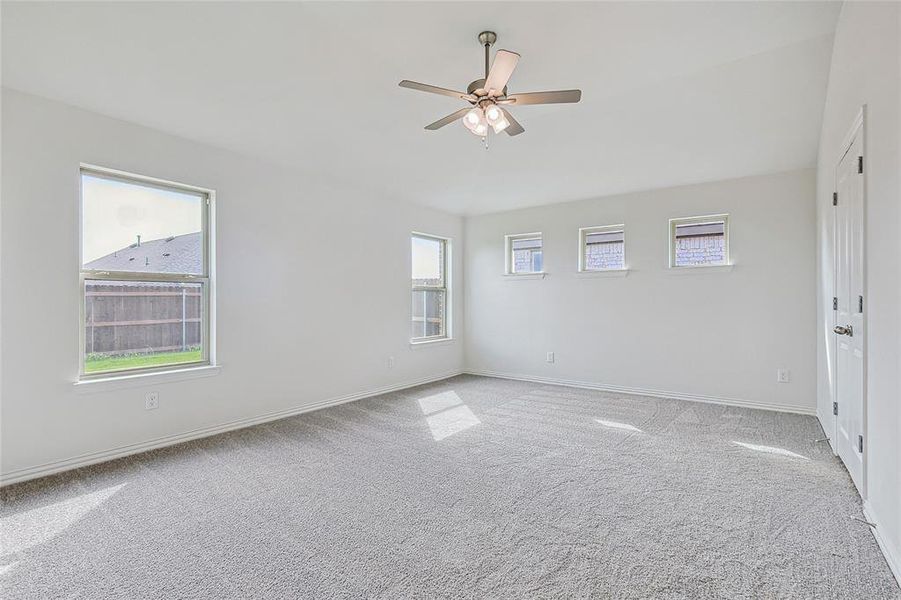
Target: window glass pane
column 428, row 313
column 700, row 244
column 428, row 261
column 140, row 228
column 604, row 250
column 429, row 306
column 136, row 324
column 527, row 255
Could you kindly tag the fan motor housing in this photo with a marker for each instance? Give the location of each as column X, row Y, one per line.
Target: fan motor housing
column 479, row 84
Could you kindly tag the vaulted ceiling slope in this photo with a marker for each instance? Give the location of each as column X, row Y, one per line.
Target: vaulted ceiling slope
column 673, row 93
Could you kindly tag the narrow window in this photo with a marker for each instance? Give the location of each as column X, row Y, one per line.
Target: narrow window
column 145, row 274
column 430, row 288
column 699, row 241
column 602, row 248
column 524, row 254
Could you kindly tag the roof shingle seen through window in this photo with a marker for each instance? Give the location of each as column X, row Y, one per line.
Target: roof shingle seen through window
column 174, row 254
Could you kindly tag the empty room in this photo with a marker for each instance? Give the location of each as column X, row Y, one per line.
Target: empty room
column 450, row 300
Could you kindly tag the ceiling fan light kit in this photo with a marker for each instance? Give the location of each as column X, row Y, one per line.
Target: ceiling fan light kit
column 488, row 96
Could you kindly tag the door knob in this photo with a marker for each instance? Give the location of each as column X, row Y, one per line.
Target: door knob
column 846, row 330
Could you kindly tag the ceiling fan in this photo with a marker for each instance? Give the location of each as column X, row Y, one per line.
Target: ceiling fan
column 488, row 96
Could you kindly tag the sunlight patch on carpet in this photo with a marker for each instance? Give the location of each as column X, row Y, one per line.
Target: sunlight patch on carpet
column 770, row 450
column 616, row 425
column 446, row 414
column 30, row 528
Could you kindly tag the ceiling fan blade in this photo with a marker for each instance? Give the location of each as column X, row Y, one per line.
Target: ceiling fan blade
column 501, row 70
column 424, row 87
column 514, row 128
column 448, row 119
column 556, row 97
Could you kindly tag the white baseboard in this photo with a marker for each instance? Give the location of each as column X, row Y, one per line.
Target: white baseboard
column 113, row 453
column 647, row 392
column 891, row 553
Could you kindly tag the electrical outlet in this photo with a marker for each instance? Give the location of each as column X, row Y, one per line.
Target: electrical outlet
column 550, row 357
column 152, row 401
column 390, row 362
column 783, row 376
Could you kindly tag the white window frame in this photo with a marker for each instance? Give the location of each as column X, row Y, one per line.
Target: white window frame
column 584, row 232
column 508, row 252
column 206, row 278
column 699, row 220
column 446, row 288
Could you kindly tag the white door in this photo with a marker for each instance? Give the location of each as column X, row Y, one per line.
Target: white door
column 849, row 306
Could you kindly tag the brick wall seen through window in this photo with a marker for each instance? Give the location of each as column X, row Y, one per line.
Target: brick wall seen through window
column 603, row 248
column 699, row 243
column 526, row 254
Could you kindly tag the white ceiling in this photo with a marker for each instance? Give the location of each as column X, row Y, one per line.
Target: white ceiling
column 673, row 92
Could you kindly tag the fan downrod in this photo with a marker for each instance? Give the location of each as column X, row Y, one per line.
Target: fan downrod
column 486, row 39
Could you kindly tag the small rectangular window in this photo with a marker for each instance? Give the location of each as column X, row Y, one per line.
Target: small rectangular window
column 430, row 288
column 145, row 274
column 602, row 248
column 699, row 241
column 524, row 254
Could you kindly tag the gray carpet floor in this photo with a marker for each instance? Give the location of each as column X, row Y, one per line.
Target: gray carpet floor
column 467, row 488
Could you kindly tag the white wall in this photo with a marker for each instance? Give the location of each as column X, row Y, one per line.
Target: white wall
column 720, row 334
column 866, row 69
column 313, row 288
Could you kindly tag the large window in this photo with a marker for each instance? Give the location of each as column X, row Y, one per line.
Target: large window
column 699, row 241
column 524, row 254
column 145, row 274
column 430, row 288
column 602, row 248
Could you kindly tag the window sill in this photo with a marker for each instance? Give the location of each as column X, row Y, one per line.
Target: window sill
column 118, row 382
column 429, row 343
column 700, row 269
column 516, row 276
column 603, row 273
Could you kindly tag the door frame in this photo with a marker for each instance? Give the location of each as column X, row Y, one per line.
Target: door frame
column 858, row 128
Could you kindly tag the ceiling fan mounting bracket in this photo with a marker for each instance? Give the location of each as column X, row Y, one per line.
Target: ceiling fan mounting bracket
column 487, row 38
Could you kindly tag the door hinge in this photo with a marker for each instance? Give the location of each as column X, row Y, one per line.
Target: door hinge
column 860, row 304
column 860, row 444
column 834, row 303
column 835, row 408
column 834, row 198
column 860, row 164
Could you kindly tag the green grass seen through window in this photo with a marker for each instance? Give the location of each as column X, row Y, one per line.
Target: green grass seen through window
column 139, row 361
